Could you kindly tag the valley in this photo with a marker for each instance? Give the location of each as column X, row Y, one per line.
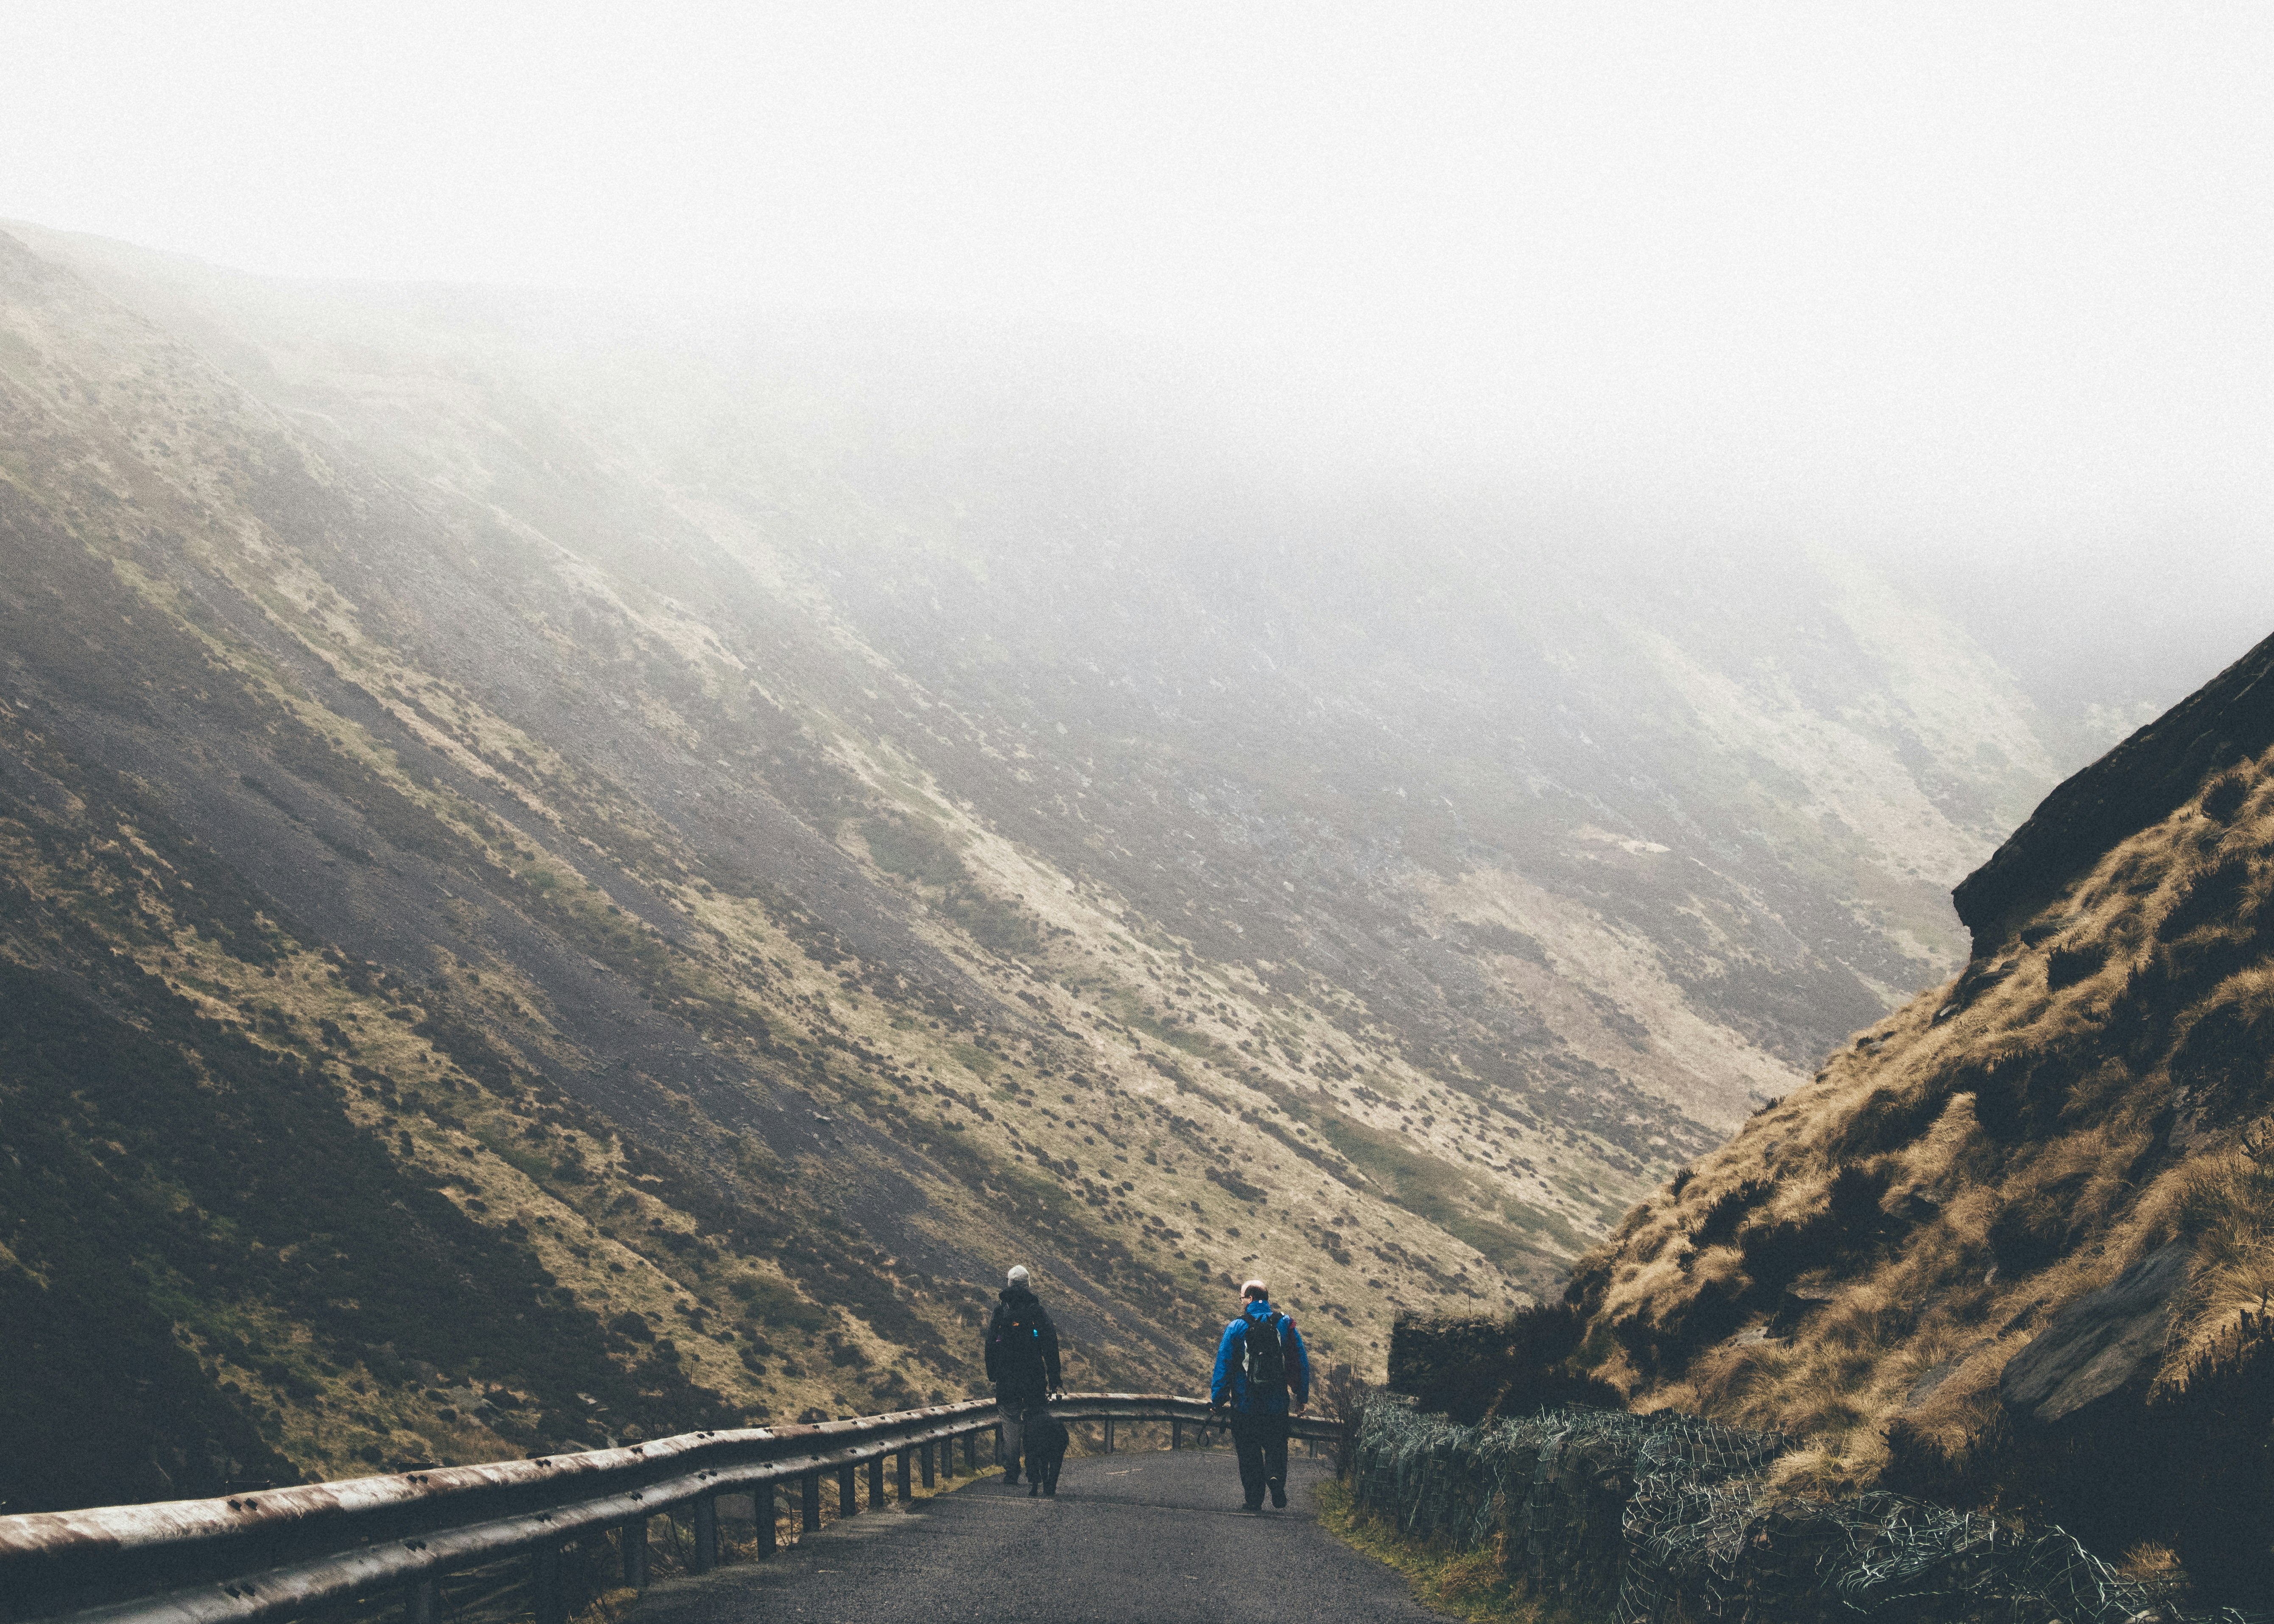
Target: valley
column 735, row 838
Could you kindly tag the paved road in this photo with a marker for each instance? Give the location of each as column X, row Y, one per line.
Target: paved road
column 1155, row 1538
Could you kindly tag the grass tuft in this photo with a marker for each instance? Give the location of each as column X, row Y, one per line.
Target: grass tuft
column 1471, row 1584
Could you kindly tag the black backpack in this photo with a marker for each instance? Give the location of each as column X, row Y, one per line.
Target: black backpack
column 1267, row 1358
column 1017, row 1341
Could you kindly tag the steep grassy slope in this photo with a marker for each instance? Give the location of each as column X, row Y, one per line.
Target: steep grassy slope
column 767, row 1164
column 1627, row 831
column 514, row 783
column 2085, row 1106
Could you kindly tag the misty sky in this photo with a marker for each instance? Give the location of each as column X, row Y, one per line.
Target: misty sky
column 1943, row 277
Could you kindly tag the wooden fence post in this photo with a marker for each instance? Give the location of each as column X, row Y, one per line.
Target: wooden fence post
column 877, row 1484
column 901, row 1476
column 923, row 1465
column 706, row 1532
column 810, row 1486
column 848, row 1503
column 971, row 1452
column 764, row 1506
column 1176, row 1434
column 1108, row 1435
column 418, row 1603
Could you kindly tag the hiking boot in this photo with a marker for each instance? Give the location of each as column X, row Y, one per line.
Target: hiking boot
column 1011, row 1479
column 1279, row 1496
column 1050, row 1490
column 1034, row 1489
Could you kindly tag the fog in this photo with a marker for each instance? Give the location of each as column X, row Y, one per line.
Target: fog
column 1976, row 291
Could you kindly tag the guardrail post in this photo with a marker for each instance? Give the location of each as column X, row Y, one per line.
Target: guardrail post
column 634, row 1538
column 848, row 1503
column 551, row 1605
column 706, row 1532
column 554, row 1574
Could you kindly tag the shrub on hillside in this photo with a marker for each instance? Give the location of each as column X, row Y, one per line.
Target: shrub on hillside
column 2211, row 896
column 2067, row 964
column 1341, row 1396
column 2225, row 798
column 1888, row 1120
column 1717, row 1226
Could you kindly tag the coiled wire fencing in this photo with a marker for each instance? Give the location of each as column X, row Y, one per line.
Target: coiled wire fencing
column 1665, row 1517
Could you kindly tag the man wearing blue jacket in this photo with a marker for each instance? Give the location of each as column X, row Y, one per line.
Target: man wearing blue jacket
column 1262, row 1374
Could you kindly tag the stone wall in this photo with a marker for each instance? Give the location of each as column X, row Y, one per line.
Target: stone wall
column 1615, row 1518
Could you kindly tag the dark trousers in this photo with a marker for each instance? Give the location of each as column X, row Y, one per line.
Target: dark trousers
column 1261, row 1443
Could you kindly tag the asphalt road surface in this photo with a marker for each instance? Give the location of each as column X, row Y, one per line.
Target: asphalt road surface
column 1149, row 1537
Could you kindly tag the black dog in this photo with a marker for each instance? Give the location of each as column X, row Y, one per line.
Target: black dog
column 1045, row 1446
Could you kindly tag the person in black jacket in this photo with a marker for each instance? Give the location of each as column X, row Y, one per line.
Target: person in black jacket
column 1022, row 1362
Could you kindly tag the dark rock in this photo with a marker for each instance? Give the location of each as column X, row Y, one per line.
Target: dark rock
column 2139, row 783
column 1917, row 1208
column 1930, row 1380
column 2104, row 1343
column 1794, row 1304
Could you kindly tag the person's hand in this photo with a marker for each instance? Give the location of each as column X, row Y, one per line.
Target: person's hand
column 1302, row 1410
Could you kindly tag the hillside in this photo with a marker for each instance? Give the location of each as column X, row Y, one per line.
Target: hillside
column 2011, row 1241
column 565, row 879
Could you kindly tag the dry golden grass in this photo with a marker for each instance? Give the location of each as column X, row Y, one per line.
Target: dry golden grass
column 2107, row 1155
column 2227, row 1202
column 609, row 1606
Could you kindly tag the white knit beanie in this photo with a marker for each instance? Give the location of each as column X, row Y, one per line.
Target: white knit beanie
column 1018, row 1274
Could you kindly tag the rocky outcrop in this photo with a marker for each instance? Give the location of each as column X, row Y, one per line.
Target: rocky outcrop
column 2103, row 1343
column 2229, row 719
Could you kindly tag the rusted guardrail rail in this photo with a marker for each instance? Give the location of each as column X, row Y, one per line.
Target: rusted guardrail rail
column 268, row 1556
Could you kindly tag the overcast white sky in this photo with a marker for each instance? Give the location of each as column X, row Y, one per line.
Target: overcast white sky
column 1961, row 274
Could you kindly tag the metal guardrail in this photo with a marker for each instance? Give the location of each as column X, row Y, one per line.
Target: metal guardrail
column 258, row 1558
